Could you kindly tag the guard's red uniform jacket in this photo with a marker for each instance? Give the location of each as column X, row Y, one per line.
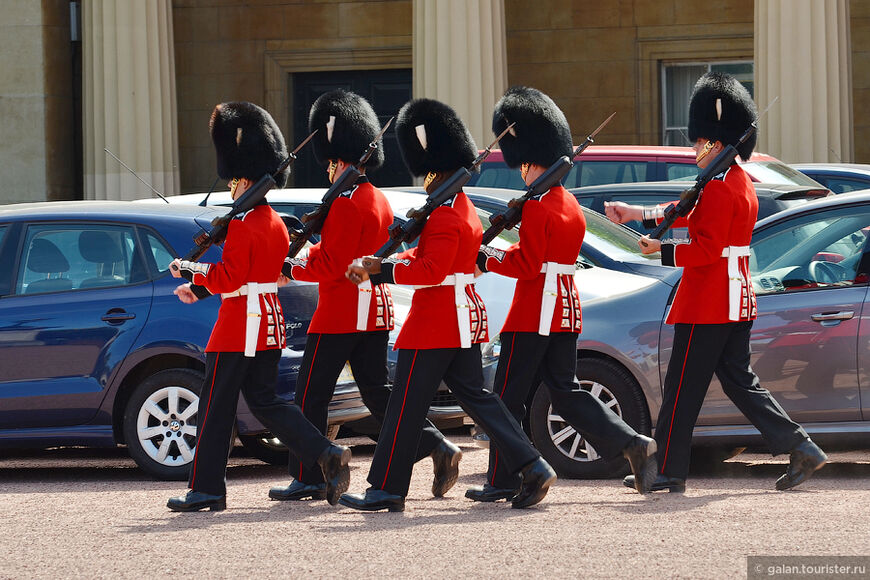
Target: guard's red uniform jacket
column 356, row 226
column 448, row 246
column 720, row 229
column 254, row 251
column 551, row 231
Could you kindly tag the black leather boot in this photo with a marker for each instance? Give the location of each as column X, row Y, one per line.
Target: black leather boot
column 373, row 500
column 488, row 493
column 660, row 483
column 298, row 491
column 334, row 464
column 641, row 455
column 806, row 459
column 445, row 460
column 193, row 501
column 537, row 477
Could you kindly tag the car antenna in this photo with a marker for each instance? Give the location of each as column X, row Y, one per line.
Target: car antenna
column 160, row 195
column 204, row 201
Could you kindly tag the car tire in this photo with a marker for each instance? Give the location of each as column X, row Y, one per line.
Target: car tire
column 269, row 449
column 565, row 449
column 160, row 423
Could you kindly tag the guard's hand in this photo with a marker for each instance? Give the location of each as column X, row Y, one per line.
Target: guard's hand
column 620, row 212
column 372, row 264
column 283, row 280
column 185, row 294
column 175, row 268
column 356, row 273
column 648, row 245
column 477, row 271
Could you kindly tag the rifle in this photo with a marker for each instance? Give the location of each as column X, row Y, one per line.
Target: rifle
column 553, row 175
column 411, row 229
column 252, row 196
column 689, row 197
column 720, row 164
column 313, row 220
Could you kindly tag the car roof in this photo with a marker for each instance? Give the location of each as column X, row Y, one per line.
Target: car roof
column 400, row 198
column 97, row 209
column 775, row 190
column 676, row 151
column 831, row 201
column 845, row 168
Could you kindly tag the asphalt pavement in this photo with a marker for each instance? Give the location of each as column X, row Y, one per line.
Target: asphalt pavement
column 76, row 513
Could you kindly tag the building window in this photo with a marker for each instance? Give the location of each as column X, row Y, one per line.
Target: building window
column 677, row 83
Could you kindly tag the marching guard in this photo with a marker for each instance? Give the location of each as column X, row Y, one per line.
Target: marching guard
column 715, row 304
column 245, row 344
column 447, row 322
column 351, row 323
column 539, row 336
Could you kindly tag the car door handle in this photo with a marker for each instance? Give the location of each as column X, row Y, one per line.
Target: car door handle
column 825, row 316
column 117, row 316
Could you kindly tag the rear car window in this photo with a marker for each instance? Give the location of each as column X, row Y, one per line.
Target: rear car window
column 61, row 257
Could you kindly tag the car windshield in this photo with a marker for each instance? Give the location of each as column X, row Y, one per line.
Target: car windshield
column 775, row 172
column 617, row 242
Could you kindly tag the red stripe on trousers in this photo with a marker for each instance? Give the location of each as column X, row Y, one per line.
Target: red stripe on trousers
column 402, row 412
column 501, row 396
column 677, row 398
column 201, row 424
column 308, row 382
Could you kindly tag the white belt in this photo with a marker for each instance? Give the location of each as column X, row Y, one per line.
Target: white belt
column 459, row 281
column 252, row 323
column 548, row 299
column 736, row 280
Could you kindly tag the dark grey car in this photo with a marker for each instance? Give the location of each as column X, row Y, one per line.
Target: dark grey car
column 811, row 349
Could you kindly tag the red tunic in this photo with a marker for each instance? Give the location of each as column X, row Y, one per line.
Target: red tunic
column 254, row 251
column 356, row 226
column 723, row 216
column 551, row 230
column 448, row 245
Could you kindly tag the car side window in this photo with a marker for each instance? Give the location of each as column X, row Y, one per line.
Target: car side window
column 603, row 172
column 61, row 257
column 843, row 184
column 816, row 251
column 161, row 253
column 681, row 171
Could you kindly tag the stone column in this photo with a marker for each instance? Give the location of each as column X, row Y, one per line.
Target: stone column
column 129, row 98
column 460, row 58
column 803, row 56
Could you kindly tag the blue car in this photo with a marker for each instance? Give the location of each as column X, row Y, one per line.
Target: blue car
column 96, row 350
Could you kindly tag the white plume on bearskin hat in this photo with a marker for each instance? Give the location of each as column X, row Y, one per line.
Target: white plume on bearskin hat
column 541, row 134
column 346, row 124
column 247, row 141
column 432, row 138
column 721, row 109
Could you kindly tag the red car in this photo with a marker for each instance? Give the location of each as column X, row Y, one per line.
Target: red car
column 603, row 164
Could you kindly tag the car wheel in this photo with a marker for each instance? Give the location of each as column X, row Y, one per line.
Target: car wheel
column 160, row 422
column 562, row 446
column 269, row 449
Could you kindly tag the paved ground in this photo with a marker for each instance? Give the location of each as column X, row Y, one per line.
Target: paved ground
column 84, row 513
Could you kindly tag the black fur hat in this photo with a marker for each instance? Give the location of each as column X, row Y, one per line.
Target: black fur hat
column 433, row 138
column 247, row 141
column 725, row 122
column 345, row 124
column 541, row 134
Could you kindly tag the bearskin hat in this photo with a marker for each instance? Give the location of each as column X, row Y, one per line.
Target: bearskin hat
column 727, row 120
column 432, row 138
column 247, row 141
column 541, row 134
column 346, row 124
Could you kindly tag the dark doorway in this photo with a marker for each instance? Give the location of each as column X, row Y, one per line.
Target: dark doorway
column 386, row 90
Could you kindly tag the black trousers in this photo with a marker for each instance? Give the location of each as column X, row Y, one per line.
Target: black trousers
column 325, row 356
column 418, row 374
column 226, row 374
column 526, row 359
column 699, row 351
